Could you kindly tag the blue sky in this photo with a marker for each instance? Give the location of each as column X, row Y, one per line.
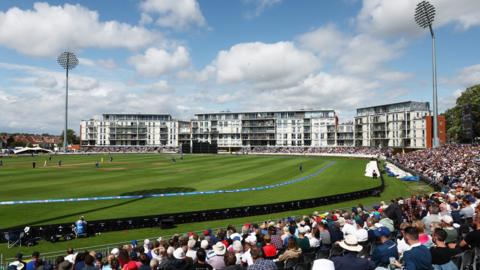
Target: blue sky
column 189, row 56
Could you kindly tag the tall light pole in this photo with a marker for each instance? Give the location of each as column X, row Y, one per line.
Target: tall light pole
column 424, row 15
column 68, row 61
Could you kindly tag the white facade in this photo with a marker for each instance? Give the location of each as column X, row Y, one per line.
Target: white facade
column 279, row 128
column 394, row 125
column 130, row 130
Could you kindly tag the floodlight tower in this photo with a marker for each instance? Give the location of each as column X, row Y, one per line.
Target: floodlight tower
column 424, row 15
column 68, row 61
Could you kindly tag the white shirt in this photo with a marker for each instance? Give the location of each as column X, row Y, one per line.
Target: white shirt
column 348, row 229
column 362, row 235
column 192, row 254
column 247, row 257
column 71, row 257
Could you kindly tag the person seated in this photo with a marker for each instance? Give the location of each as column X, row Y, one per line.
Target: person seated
column 81, row 227
column 441, row 253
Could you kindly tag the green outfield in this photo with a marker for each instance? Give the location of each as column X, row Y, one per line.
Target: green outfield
column 155, row 173
column 134, row 174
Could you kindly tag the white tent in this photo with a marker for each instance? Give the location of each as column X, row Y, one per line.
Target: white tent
column 26, row 150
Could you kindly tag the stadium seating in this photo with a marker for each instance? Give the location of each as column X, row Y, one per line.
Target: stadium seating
column 455, row 211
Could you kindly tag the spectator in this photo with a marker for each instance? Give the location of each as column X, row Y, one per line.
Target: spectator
column 217, row 261
column 441, row 254
column 432, row 216
column 231, row 262
column 348, row 259
column 89, row 263
column 191, row 252
column 269, row 250
column 259, row 263
column 70, row 255
column 201, row 263
column 31, row 265
column 418, row 257
column 293, row 252
column 145, row 262
column 18, row 264
column 472, row 239
column 385, row 249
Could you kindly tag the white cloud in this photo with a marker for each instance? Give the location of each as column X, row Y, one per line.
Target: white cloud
column 355, row 53
column 468, row 76
column 107, row 63
column 260, row 6
column 364, row 54
column 265, row 65
column 156, row 62
column 54, row 28
column 32, row 108
column 104, row 63
column 327, row 41
column 396, row 18
column 46, row 82
column 177, row 14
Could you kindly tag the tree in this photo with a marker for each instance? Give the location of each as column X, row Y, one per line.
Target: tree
column 469, row 100
column 10, row 141
column 71, row 137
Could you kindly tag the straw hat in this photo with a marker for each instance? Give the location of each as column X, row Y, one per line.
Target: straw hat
column 350, row 243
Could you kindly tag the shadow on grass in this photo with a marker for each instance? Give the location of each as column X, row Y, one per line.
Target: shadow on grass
column 75, row 215
column 159, row 191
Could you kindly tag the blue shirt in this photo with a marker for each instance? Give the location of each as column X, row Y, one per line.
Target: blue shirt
column 383, row 252
column 80, row 226
column 31, row 265
column 418, row 258
column 350, row 261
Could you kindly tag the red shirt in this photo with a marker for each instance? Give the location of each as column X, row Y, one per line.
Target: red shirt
column 269, row 250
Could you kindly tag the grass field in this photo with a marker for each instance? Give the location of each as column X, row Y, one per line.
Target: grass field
column 157, row 173
column 148, row 174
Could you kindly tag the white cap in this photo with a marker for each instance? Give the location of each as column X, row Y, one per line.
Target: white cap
column 179, row 254
column 204, row 244
column 115, row 252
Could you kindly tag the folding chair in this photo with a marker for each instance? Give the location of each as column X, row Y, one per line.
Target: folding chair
column 14, row 238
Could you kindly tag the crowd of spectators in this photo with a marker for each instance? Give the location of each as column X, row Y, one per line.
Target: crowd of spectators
column 320, row 150
column 129, row 149
column 436, row 231
column 447, row 164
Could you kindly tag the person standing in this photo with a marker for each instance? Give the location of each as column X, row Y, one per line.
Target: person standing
column 34, row 164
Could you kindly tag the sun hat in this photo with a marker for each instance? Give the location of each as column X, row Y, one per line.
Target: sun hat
column 350, row 243
column 219, row 248
column 447, row 219
column 179, row 254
